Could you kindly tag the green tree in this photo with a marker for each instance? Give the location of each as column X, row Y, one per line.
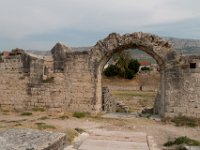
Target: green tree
column 122, row 61
column 111, row 71
column 124, row 66
column 145, row 69
column 134, row 65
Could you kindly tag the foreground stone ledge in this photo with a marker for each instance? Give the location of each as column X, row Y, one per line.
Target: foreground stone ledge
column 28, row 139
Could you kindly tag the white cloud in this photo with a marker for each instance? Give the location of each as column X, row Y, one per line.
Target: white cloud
column 21, row 18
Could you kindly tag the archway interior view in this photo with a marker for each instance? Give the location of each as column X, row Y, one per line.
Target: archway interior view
column 130, row 82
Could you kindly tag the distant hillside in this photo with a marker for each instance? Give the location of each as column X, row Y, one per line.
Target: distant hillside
column 183, row 46
column 48, row 52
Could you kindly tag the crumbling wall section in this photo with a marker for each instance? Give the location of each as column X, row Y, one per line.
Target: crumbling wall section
column 50, row 94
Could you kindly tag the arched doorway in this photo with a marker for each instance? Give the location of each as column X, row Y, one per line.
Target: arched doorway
column 153, row 45
column 130, row 83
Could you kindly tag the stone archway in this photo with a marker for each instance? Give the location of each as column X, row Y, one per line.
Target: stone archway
column 153, row 45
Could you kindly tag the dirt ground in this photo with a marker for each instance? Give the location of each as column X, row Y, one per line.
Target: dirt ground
column 65, row 122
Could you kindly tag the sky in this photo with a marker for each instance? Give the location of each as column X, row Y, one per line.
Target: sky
column 40, row 24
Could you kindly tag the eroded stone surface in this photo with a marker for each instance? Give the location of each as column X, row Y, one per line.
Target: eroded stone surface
column 28, row 139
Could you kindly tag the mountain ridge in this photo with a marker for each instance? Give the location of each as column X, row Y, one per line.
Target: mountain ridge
column 184, row 46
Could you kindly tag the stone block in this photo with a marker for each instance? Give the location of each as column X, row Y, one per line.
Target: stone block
column 24, row 139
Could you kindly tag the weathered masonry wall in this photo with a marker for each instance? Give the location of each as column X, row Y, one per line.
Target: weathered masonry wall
column 13, row 91
column 80, row 82
column 182, row 88
column 71, row 81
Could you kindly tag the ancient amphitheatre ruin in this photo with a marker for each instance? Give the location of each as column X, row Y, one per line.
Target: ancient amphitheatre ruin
column 72, row 80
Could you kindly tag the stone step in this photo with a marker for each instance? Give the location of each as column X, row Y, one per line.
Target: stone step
column 92, row 144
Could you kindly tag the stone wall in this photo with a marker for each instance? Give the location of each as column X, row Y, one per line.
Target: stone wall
column 80, row 82
column 182, row 89
column 78, row 85
column 13, row 91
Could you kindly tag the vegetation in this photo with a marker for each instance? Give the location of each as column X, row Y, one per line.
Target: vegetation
column 79, row 130
column 18, row 124
column 134, row 93
column 38, row 109
column 63, row 117
column 134, row 65
column 183, row 121
column 111, row 71
column 145, row 69
column 182, row 140
column 44, row 118
column 42, row 126
column 80, row 114
column 26, row 113
column 136, row 100
column 49, row 80
column 4, row 110
column 125, row 66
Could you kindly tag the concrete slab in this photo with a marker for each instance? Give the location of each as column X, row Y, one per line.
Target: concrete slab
column 91, row 144
column 115, row 140
column 28, row 139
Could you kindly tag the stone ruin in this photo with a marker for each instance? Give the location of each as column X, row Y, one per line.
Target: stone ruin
column 71, row 80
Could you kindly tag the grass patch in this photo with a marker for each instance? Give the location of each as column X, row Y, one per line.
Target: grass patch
column 63, row 117
column 71, row 134
column 182, row 121
column 42, row 126
column 134, row 93
column 49, row 80
column 27, row 113
column 80, row 114
column 2, row 126
column 185, row 121
column 182, row 140
column 38, row 109
column 79, row 130
column 4, row 110
column 18, row 124
column 43, row 118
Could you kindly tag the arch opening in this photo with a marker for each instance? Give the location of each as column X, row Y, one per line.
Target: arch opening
column 153, row 45
column 132, row 95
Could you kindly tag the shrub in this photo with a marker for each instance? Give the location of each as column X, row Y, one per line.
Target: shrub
column 129, row 74
column 38, row 109
column 49, row 80
column 80, row 114
column 134, row 65
column 63, row 117
column 79, row 130
column 44, row 118
column 145, row 69
column 182, row 140
column 111, row 71
column 26, row 113
column 185, row 121
column 41, row 126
